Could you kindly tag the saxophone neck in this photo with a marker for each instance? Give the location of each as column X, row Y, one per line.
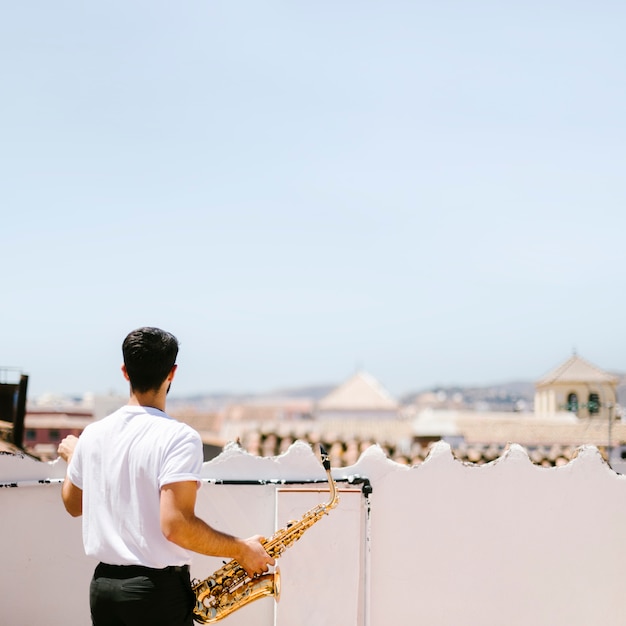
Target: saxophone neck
column 333, row 487
column 334, row 497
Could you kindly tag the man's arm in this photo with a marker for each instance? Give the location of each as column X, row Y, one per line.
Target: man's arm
column 181, row 526
column 72, row 498
column 71, row 494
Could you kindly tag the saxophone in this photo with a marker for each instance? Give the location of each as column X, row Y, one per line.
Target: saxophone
column 230, row 588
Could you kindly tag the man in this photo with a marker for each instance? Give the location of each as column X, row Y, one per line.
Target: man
column 133, row 476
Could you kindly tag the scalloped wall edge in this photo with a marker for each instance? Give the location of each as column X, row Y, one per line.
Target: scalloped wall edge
column 301, row 462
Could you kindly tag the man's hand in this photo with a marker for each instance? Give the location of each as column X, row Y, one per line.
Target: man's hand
column 253, row 558
column 66, row 447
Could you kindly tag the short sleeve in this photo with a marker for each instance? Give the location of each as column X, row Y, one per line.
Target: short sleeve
column 183, row 458
column 75, row 467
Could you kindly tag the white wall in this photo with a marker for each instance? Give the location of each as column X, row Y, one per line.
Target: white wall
column 442, row 543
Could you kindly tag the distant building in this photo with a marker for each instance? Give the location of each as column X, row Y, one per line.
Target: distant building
column 361, row 396
column 50, row 419
column 44, row 429
column 573, row 404
column 578, row 387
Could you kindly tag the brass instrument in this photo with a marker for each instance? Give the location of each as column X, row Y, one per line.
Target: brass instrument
column 230, row 588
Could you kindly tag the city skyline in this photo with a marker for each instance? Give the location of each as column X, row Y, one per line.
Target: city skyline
column 522, row 389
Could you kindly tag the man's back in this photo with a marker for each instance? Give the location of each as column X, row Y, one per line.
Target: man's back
column 121, row 463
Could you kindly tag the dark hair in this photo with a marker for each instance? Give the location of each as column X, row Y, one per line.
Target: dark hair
column 149, row 355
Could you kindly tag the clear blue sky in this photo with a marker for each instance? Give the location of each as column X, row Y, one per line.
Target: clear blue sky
column 431, row 191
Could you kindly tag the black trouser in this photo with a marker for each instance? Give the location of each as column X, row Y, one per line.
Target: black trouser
column 133, row 595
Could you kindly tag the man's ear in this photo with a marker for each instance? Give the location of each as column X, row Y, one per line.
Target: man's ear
column 172, row 373
column 125, row 372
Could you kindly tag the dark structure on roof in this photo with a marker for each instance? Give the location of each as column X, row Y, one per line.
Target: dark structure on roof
column 13, row 406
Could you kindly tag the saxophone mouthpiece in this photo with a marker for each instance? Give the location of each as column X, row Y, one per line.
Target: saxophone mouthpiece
column 325, row 458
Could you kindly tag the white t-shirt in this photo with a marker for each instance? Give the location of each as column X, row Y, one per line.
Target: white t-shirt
column 121, row 462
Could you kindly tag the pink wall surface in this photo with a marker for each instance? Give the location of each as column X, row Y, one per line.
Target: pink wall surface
column 441, row 543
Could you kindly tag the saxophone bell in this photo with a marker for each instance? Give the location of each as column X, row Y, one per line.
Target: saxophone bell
column 209, row 612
